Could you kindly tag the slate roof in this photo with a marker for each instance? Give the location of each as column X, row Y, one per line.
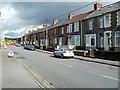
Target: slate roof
column 104, row 10
column 77, row 18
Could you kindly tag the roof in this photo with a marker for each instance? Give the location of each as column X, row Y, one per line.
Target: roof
column 104, row 10
column 77, row 18
column 32, row 32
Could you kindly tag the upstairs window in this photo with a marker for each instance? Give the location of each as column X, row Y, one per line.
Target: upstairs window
column 70, row 28
column 76, row 26
column 62, row 30
column 55, row 31
column 90, row 24
column 101, row 22
column 107, row 20
column 118, row 18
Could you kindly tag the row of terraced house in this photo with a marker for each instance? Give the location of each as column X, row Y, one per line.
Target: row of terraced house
column 97, row 29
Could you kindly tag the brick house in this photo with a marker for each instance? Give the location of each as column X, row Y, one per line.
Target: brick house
column 102, row 28
column 67, row 32
column 98, row 29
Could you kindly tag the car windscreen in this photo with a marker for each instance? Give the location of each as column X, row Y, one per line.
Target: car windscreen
column 31, row 46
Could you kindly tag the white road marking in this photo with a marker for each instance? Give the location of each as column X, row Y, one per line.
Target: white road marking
column 62, row 63
column 104, row 76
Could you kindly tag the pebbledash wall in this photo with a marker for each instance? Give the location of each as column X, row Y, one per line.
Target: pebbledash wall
column 98, row 29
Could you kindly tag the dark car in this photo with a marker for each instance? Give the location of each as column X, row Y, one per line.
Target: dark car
column 29, row 47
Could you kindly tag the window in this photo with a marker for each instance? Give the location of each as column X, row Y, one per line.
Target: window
column 118, row 18
column 107, row 21
column 91, row 24
column 77, row 40
column 76, row 26
column 117, row 39
column 55, row 40
column 70, row 28
column 55, row 31
column 74, row 40
column 101, row 42
column 90, row 40
column 100, row 22
column 42, row 42
column 62, row 30
column 61, row 41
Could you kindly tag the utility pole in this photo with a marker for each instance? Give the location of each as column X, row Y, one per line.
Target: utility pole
column 46, row 34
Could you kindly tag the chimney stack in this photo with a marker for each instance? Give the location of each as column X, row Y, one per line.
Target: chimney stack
column 97, row 6
column 45, row 25
column 55, row 21
column 29, row 31
column 71, row 15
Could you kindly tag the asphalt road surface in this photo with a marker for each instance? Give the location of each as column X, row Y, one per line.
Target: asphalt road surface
column 68, row 73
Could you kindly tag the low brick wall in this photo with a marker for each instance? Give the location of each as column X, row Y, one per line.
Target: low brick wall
column 81, row 53
column 108, row 55
column 78, row 53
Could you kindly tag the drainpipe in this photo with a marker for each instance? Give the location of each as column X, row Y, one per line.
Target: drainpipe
column 81, row 33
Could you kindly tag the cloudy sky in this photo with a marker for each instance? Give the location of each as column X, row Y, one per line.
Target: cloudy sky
column 17, row 17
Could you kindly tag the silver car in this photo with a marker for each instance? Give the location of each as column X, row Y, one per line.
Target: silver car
column 64, row 52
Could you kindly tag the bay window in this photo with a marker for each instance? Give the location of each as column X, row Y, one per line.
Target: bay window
column 77, row 40
column 117, row 39
column 90, row 39
column 61, row 41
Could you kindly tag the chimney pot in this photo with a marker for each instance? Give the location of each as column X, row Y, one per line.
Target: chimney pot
column 71, row 15
column 97, row 6
column 55, row 21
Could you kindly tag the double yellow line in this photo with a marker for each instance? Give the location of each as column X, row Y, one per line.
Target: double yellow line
column 42, row 83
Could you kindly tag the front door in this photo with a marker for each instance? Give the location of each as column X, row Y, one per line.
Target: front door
column 107, row 40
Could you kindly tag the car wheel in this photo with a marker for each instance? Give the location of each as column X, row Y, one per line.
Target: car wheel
column 55, row 55
column 62, row 56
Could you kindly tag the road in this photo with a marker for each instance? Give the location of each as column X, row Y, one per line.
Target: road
column 14, row 75
column 68, row 73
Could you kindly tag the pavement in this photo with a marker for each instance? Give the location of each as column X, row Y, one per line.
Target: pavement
column 95, row 60
column 14, row 75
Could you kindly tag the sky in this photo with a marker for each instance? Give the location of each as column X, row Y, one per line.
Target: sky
column 17, row 17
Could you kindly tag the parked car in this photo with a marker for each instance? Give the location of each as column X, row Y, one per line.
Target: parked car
column 64, row 52
column 29, row 47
